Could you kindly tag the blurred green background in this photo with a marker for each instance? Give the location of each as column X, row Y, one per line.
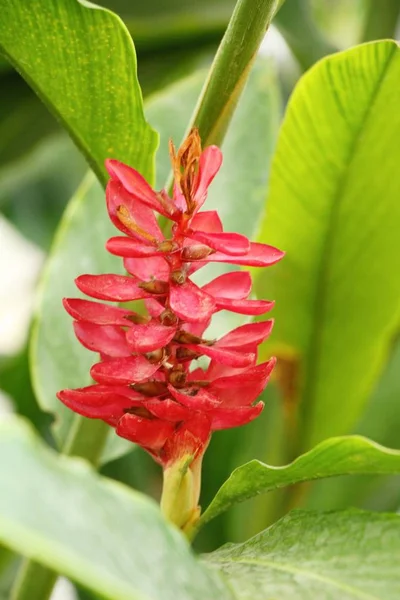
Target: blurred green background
column 41, row 169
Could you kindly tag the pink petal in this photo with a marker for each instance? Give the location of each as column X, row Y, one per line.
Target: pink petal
column 148, row 433
column 230, row 243
column 246, row 336
column 234, row 286
column 118, row 288
column 234, row 391
column 135, row 184
column 259, row 373
column 245, row 307
column 168, row 410
column 128, row 247
column 197, row 374
column 153, row 267
column 207, row 221
column 209, row 164
column 224, row 356
column 95, row 312
column 110, row 412
column 117, row 196
column 150, row 336
column 191, row 438
column 194, row 399
column 197, row 328
column 216, row 370
column 225, row 418
column 179, row 198
column 134, row 369
column 190, row 303
column 153, row 307
column 259, row 255
column 99, row 395
column 107, row 339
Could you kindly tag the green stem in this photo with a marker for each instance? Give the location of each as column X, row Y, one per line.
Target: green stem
column 231, row 66
column 87, row 439
column 181, row 491
column 381, row 20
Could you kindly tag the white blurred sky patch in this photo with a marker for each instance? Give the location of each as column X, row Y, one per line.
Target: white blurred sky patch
column 64, row 590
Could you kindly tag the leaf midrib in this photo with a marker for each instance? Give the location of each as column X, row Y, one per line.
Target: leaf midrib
column 313, row 355
column 359, row 594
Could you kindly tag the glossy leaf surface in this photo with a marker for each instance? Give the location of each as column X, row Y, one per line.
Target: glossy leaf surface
column 337, row 456
column 110, row 539
column 333, row 207
column 317, row 556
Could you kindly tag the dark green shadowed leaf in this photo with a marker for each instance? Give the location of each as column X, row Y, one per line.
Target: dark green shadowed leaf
column 333, row 206
column 350, row 455
column 350, row 555
column 99, row 533
column 81, row 61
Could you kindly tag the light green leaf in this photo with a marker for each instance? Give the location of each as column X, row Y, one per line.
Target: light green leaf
column 350, row 555
column 337, row 456
column 99, row 533
column 81, row 61
column 334, row 208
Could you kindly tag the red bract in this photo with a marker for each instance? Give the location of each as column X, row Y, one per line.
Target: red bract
column 145, row 385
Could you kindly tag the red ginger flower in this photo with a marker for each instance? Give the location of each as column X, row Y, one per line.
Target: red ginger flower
column 144, row 386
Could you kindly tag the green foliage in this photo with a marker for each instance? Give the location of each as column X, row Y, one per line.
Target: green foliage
column 333, row 207
column 63, row 50
column 108, row 538
column 336, row 456
column 316, row 556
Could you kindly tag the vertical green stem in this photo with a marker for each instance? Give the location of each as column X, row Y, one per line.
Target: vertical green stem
column 231, row 66
column 381, row 20
column 87, row 439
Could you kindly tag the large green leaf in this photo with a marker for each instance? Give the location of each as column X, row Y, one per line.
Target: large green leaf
column 112, row 540
column 381, row 422
column 337, row 456
column 317, row 556
column 334, row 208
column 81, row 61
